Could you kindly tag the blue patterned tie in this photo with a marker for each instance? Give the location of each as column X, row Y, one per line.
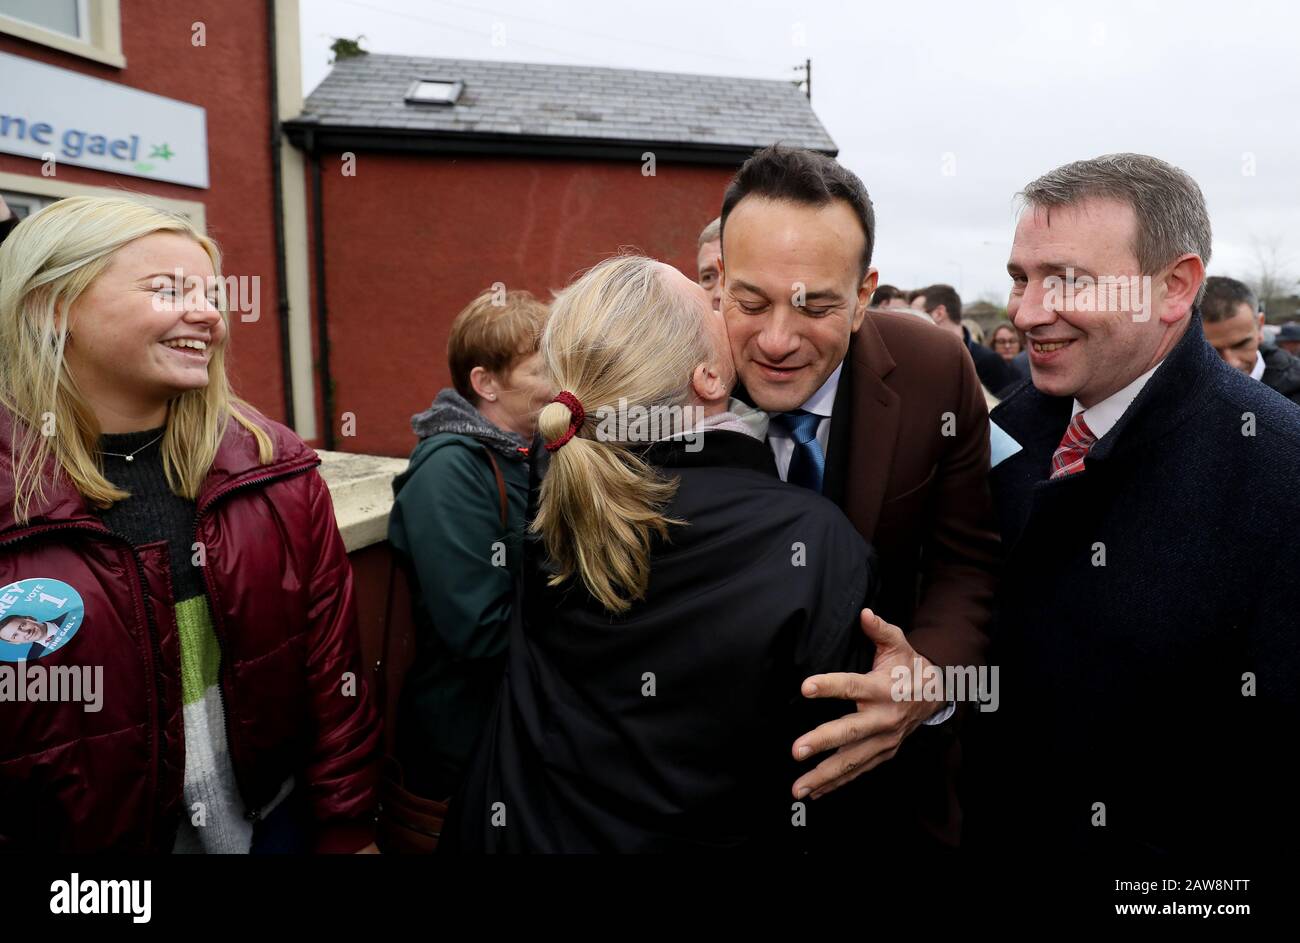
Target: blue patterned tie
column 808, row 462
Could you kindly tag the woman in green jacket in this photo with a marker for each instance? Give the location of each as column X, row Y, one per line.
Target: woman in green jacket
column 457, row 523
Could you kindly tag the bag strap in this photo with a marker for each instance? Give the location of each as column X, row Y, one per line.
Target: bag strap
column 381, row 669
column 501, row 488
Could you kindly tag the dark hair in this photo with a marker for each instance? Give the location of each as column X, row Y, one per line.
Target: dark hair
column 1222, row 298
column 884, row 294
column 945, row 295
column 798, row 175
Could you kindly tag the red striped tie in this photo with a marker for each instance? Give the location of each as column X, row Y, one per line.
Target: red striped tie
column 1069, row 455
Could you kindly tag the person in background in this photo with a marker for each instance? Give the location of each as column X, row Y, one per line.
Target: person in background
column 887, row 296
column 201, row 541
column 943, row 305
column 1234, row 327
column 468, row 471
column 666, row 627
column 1006, row 344
column 707, row 254
column 1288, row 338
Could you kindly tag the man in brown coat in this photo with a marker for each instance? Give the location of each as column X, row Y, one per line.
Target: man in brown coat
column 884, row 415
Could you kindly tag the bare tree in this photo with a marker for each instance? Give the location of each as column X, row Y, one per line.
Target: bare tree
column 1274, row 279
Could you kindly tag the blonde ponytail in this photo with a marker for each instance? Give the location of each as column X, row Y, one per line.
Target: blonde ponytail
column 620, row 334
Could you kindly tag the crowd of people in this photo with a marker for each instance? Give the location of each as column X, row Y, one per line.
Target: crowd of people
column 775, row 558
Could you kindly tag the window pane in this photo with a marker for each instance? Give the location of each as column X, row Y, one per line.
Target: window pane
column 434, row 91
column 57, row 15
column 23, row 205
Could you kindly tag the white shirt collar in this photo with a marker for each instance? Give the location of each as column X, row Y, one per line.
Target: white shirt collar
column 822, row 403
column 1257, row 372
column 1102, row 417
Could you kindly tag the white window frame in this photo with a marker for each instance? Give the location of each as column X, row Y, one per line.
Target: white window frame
column 31, row 202
column 100, row 24
column 48, row 187
column 456, row 87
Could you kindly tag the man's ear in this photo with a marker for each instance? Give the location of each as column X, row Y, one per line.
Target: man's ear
column 1181, row 285
column 866, row 288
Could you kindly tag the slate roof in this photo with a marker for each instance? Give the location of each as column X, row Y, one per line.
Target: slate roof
column 574, row 103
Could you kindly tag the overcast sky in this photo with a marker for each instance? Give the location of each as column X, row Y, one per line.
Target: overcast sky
column 944, row 110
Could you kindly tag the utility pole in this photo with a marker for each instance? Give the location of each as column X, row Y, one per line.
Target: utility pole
column 806, row 81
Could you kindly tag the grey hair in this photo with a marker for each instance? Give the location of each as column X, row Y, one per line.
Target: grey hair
column 1171, row 216
column 711, row 232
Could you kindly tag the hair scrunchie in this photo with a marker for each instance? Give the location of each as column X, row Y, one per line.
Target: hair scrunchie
column 576, row 418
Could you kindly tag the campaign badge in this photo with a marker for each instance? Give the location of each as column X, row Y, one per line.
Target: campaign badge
column 37, row 616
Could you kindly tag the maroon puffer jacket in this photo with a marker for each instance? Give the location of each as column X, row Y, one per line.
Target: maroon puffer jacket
column 280, row 590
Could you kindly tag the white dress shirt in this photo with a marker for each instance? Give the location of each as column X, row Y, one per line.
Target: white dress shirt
column 1102, row 417
column 1257, row 372
column 821, row 404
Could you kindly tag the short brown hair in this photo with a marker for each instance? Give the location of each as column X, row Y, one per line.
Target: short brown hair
column 496, row 330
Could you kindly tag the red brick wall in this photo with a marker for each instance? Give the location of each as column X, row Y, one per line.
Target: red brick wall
column 412, row 238
column 230, row 77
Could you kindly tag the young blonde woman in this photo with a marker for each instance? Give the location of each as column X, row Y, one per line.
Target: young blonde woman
column 186, row 549
column 675, row 596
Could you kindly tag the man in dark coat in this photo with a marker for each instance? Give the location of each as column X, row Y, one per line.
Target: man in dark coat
column 1146, row 630
column 1234, row 326
column 1281, row 371
column 943, row 305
